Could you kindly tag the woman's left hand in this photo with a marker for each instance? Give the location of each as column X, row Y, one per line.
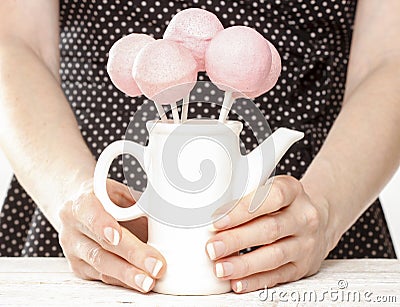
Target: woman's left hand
column 290, row 228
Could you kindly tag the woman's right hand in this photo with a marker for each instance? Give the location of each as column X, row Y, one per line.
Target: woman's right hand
column 99, row 248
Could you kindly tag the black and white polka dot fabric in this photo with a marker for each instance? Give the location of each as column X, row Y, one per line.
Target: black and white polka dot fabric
column 313, row 39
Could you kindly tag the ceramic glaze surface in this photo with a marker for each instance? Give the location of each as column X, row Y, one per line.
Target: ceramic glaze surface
column 194, row 170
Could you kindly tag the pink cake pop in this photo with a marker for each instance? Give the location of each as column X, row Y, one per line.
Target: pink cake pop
column 120, row 61
column 275, row 72
column 270, row 80
column 165, row 72
column 194, row 28
column 238, row 60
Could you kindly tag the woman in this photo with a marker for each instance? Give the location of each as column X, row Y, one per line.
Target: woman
column 322, row 199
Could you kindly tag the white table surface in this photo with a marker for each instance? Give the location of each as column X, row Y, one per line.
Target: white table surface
column 49, row 282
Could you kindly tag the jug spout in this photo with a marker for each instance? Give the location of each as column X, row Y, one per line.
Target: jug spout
column 259, row 164
column 283, row 139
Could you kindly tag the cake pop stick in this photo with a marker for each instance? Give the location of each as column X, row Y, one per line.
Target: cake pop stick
column 175, row 113
column 226, row 106
column 185, row 108
column 161, row 111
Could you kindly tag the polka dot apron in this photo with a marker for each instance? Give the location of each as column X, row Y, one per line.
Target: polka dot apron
column 313, row 38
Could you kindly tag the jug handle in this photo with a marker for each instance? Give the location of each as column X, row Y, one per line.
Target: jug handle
column 100, row 179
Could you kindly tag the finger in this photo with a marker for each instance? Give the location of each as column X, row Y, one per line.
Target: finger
column 111, row 265
column 85, row 271
column 121, row 194
column 265, row 280
column 118, row 192
column 260, row 231
column 89, row 212
column 283, row 192
column 136, row 252
column 81, row 269
column 125, row 196
column 139, row 227
column 113, row 281
column 265, row 258
column 92, row 274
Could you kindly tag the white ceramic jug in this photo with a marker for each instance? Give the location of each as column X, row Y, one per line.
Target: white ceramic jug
column 192, row 170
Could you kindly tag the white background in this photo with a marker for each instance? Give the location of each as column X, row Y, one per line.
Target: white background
column 390, row 199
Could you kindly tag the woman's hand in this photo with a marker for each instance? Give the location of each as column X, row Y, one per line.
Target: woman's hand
column 99, row 248
column 290, row 228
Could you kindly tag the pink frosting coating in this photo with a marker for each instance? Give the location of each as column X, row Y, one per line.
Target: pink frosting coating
column 194, row 28
column 120, row 61
column 165, row 71
column 238, row 58
column 270, row 80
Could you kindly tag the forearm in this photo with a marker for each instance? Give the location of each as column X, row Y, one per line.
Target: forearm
column 38, row 131
column 361, row 152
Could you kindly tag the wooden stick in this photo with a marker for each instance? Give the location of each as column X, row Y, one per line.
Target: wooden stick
column 175, row 113
column 226, row 107
column 185, row 108
column 161, row 112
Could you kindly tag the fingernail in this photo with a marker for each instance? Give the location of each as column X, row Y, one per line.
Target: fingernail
column 215, row 249
column 241, row 286
column 153, row 265
column 223, row 269
column 112, row 235
column 222, row 223
column 144, row 282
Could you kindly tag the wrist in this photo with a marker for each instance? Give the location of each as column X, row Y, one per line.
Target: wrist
column 72, row 183
column 321, row 199
column 77, row 180
column 330, row 222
